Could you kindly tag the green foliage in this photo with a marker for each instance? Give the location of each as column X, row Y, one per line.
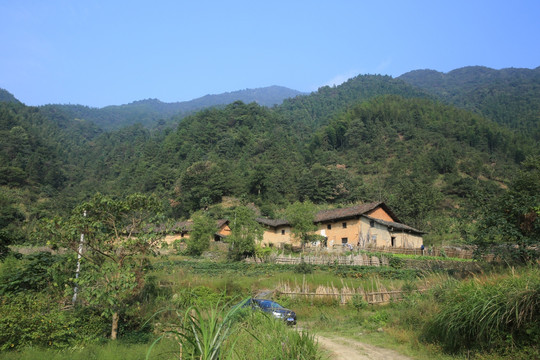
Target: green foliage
column 246, row 233
column 37, row 320
column 304, row 268
column 118, row 237
column 200, row 296
column 201, row 234
column 203, row 333
column 510, row 225
column 36, row 272
column 507, row 96
column 488, row 314
column 262, row 337
column 10, row 220
column 358, row 302
column 300, row 216
column 202, row 184
column 372, row 138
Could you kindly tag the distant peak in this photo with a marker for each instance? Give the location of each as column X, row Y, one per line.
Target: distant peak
column 6, row 96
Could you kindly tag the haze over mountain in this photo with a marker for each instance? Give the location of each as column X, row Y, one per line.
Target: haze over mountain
column 148, row 112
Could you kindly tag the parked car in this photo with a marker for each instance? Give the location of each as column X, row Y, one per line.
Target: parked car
column 273, row 308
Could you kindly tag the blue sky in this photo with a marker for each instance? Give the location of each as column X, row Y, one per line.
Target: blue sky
column 100, row 53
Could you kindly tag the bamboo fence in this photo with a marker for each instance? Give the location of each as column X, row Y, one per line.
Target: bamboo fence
column 345, row 294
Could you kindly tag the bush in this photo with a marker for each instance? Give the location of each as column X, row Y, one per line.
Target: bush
column 34, row 319
column 34, row 273
column 303, row 268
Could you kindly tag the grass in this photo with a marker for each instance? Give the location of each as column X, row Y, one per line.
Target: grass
column 107, row 351
column 489, row 311
column 500, row 309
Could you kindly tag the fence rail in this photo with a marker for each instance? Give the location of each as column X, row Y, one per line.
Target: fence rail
column 358, row 260
column 376, row 297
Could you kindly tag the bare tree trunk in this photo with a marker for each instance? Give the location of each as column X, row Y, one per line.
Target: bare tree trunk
column 114, row 329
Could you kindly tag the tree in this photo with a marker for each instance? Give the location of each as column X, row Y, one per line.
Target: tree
column 201, row 234
column 202, row 184
column 510, row 226
column 301, row 216
column 10, row 218
column 118, row 238
column 245, row 233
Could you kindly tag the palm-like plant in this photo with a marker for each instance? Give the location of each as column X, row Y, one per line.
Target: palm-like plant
column 203, row 334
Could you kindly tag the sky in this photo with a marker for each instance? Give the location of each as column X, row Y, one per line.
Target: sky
column 112, row 52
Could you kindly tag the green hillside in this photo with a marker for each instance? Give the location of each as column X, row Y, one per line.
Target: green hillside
column 371, row 138
column 6, row 96
column 153, row 112
column 510, row 97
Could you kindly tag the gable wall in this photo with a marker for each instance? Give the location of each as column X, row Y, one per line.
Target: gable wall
column 379, row 213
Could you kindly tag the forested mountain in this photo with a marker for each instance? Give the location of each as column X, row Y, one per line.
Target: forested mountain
column 320, row 106
column 6, row 96
column 508, row 96
column 152, row 112
column 371, row 138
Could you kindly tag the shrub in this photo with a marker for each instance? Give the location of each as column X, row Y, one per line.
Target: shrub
column 358, row 302
column 303, row 268
column 34, row 319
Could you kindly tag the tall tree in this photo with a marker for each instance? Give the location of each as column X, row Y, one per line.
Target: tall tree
column 511, row 223
column 301, row 216
column 245, row 233
column 118, row 238
column 202, row 232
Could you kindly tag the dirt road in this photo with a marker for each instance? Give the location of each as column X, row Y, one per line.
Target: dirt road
column 348, row 349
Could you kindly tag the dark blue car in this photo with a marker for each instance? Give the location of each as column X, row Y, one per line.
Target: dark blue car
column 273, row 308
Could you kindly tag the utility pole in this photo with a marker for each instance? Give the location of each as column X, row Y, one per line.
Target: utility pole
column 78, row 270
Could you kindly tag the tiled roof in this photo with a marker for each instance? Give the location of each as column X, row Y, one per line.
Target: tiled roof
column 347, row 213
column 344, row 213
column 395, row 225
column 272, row 222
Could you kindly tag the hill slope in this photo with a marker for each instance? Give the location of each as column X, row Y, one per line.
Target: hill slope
column 6, row 96
column 151, row 111
column 509, row 96
column 372, row 138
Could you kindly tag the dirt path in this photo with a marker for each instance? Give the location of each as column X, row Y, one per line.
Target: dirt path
column 348, row 349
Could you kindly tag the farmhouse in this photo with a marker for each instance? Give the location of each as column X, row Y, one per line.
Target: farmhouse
column 181, row 230
column 366, row 225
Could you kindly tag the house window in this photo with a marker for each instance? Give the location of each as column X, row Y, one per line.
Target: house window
column 344, row 225
column 329, row 226
column 372, row 223
column 283, row 232
column 344, row 240
column 393, row 240
column 374, row 238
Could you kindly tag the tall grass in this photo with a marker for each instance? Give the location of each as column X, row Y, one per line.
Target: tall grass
column 202, row 334
column 264, row 337
column 500, row 311
column 225, row 332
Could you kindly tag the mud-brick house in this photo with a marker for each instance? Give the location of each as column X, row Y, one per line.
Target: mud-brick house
column 366, row 225
column 181, row 229
column 276, row 232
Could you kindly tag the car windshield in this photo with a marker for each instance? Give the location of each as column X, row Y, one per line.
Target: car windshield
column 268, row 304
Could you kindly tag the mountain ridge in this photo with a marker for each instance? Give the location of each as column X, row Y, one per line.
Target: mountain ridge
column 509, row 96
column 149, row 112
